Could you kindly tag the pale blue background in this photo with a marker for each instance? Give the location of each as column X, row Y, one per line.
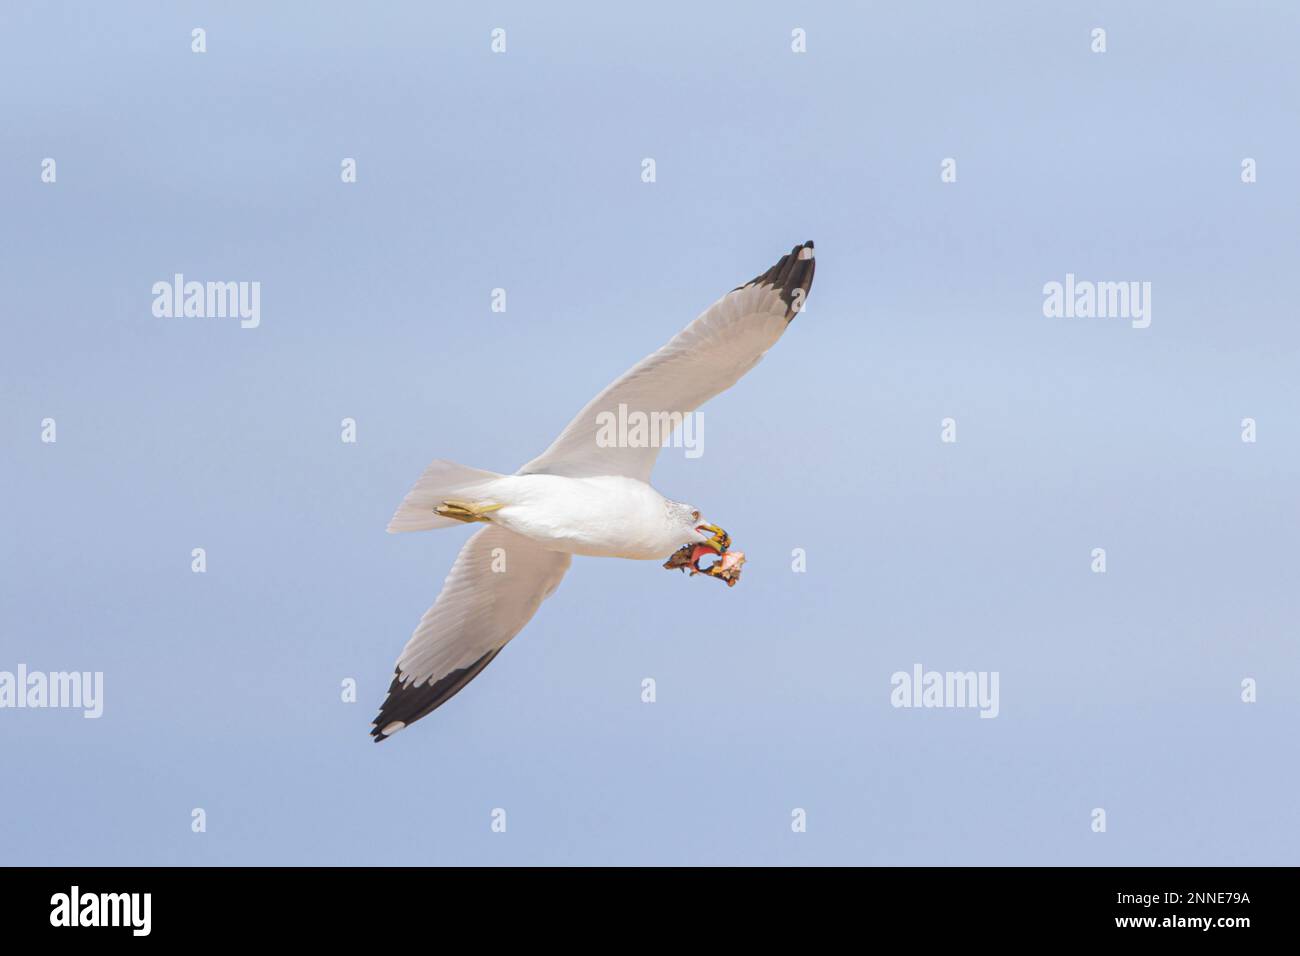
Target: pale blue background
column 222, row 690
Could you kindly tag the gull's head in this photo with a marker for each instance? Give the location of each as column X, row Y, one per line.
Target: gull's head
column 695, row 528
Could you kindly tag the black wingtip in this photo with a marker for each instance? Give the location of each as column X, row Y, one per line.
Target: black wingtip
column 407, row 701
column 792, row 277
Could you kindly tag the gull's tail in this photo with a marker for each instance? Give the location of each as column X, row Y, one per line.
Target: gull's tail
column 442, row 481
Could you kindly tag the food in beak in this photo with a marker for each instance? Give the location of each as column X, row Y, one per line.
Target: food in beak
column 720, row 541
column 726, row 567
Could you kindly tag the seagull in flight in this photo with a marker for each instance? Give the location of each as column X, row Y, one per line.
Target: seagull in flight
column 580, row 496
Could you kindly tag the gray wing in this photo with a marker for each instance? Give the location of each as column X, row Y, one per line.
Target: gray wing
column 707, row 357
column 495, row 587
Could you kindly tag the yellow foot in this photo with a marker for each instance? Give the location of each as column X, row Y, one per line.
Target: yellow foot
column 466, row 510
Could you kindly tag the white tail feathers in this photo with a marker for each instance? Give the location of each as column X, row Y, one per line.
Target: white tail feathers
column 440, row 481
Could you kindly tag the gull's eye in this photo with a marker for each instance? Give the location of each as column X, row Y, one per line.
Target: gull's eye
column 695, row 516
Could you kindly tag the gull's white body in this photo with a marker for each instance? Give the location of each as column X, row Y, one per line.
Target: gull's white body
column 580, row 496
column 607, row 516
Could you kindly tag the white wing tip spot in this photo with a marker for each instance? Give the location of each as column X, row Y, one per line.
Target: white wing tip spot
column 393, row 728
column 806, row 252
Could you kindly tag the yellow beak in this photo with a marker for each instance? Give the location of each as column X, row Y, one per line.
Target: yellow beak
column 720, row 540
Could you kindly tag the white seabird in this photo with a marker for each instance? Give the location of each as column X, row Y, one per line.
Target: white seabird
column 580, row 496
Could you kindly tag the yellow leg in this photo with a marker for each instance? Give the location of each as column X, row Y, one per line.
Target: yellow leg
column 467, row 511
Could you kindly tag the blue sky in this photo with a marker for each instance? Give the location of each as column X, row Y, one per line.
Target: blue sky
column 521, row 170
